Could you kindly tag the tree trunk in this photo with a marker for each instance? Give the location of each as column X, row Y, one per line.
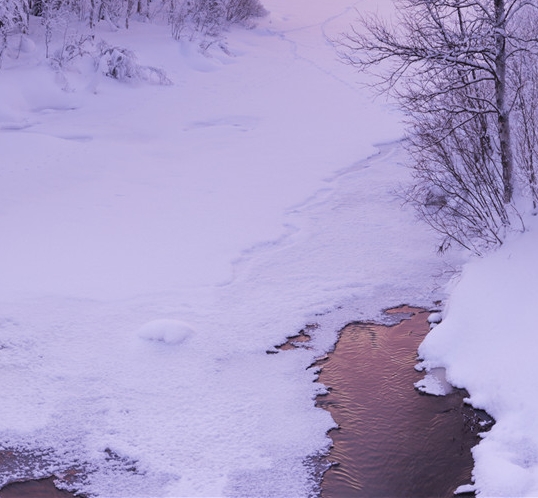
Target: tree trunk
column 503, row 113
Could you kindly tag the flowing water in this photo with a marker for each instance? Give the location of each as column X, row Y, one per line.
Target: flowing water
column 393, row 441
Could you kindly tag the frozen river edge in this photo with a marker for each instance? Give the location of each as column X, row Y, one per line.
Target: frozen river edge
column 419, row 468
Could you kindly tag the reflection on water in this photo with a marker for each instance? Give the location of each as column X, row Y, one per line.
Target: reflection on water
column 392, row 441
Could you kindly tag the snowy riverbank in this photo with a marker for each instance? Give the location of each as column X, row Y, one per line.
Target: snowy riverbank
column 488, row 344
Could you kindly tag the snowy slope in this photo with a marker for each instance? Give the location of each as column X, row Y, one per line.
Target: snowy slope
column 158, row 240
column 487, row 342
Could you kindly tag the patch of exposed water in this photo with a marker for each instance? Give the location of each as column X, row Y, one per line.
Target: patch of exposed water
column 23, row 466
column 39, row 488
column 393, row 441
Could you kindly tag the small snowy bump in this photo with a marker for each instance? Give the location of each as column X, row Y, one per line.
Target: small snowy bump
column 165, row 330
column 435, row 318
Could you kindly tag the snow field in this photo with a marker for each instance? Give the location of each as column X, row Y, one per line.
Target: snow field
column 160, row 239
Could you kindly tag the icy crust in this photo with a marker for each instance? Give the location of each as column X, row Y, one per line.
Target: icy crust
column 487, row 343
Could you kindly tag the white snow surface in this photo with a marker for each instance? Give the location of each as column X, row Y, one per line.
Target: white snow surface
column 487, row 342
column 158, row 240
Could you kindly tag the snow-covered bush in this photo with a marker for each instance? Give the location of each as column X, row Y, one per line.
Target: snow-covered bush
column 118, row 63
column 202, row 20
column 75, row 46
column 121, row 64
column 14, row 16
column 13, row 20
column 189, row 18
column 242, row 10
column 465, row 75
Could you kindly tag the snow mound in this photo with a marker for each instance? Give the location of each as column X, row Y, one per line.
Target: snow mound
column 165, row 330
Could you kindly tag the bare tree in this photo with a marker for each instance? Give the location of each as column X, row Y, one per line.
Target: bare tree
column 525, row 111
column 451, row 64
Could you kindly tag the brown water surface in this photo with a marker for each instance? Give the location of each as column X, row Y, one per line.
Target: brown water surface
column 21, row 465
column 392, row 441
column 40, row 488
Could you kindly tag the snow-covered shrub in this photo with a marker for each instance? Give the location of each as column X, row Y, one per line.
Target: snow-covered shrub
column 118, row 63
column 189, row 18
column 242, row 10
column 121, row 64
column 196, row 16
column 13, row 19
column 465, row 76
column 14, row 16
column 113, row 12
column 200, row 20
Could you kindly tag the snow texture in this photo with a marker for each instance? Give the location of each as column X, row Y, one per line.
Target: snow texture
column 159, row 239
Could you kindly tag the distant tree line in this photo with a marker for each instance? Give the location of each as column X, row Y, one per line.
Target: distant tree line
column 465, row 73
column 187, row 18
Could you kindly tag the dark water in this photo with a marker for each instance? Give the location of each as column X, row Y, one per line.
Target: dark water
column 21, row 465
column 42, row 488
column 392, row 441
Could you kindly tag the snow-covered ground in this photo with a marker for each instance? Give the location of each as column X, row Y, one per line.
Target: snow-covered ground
column 158, row 240
column 488, row 344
